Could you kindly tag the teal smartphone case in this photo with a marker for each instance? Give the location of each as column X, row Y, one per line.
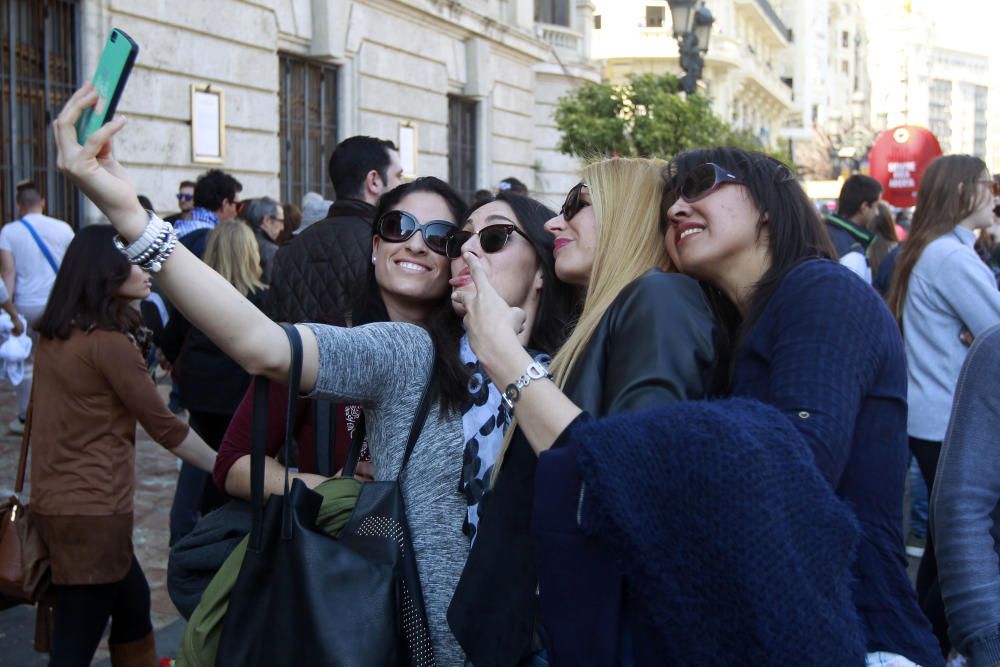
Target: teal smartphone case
column 109, row 80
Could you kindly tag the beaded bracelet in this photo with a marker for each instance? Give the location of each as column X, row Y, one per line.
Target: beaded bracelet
column 146, row 240
column 164, row 251
column 157, row 241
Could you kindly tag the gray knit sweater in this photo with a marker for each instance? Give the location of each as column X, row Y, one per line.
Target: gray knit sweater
column 384, row 367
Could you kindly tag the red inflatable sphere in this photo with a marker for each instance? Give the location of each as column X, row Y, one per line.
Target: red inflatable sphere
column 898, row 159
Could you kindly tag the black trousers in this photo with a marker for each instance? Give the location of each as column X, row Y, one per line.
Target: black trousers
column 196, row 495
column 82, row 613
column 927, row 453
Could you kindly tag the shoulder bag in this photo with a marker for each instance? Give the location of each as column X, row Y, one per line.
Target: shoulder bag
column 23, row 556
column 304, row 598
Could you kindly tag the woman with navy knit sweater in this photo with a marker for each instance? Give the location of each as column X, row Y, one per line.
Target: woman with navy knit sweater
column 818, row 344
column 729, row 517
column 941, row 292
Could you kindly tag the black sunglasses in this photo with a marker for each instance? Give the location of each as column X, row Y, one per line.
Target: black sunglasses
column 491, row 239
column 399, row 226
column 182, row 196
column 702, row 181
column 574, row 202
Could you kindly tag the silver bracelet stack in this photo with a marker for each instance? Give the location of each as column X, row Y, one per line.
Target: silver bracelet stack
column 153, row 246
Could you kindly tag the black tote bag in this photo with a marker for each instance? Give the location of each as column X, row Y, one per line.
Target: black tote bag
column 305, row 598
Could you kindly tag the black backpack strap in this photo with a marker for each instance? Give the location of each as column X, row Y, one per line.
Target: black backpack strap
column 323, row 431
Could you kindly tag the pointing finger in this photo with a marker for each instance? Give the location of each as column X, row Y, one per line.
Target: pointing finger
column 479, row 278
column 520, row 319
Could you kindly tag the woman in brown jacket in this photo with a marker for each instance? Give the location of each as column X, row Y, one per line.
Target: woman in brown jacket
column 91, row 385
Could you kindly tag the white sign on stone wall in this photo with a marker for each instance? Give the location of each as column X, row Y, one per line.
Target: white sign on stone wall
column 208, row 129
column 408, row 149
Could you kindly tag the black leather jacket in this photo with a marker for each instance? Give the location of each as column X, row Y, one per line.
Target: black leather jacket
column 657, row 343
column 316, row 275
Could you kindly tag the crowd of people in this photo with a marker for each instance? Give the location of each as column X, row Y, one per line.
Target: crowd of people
column 670, row 424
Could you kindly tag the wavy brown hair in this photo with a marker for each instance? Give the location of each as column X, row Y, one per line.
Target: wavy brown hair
column 947, row 195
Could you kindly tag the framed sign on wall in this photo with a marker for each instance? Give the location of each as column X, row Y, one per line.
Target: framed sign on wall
column 408, row 149
column 208, row 125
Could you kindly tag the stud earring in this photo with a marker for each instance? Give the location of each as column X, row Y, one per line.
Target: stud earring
column 373, row 259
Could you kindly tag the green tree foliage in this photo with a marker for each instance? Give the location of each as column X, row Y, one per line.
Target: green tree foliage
column 646, row 116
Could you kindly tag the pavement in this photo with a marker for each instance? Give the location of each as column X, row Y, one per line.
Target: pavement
column 156, row 474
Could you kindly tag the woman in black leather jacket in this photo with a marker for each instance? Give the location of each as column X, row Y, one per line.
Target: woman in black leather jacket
column 645, row 337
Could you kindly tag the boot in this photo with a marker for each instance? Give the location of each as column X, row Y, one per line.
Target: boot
column 139, row 653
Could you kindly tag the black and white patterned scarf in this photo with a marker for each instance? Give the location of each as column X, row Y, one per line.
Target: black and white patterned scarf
column 483, row 424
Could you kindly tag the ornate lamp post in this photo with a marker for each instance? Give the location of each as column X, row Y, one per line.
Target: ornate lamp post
column 692, row 27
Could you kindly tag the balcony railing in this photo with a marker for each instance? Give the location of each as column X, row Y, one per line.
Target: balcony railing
column 561, row 37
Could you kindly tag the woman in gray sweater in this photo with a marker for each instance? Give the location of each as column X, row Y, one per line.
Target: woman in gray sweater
column 383, row 366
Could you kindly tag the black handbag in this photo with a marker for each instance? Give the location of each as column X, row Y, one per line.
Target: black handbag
column 305, row 598
column 196, row 558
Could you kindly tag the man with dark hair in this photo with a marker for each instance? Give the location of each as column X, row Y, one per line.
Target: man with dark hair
column 850, row 227
column 353, row 162
column 216, row 195
column 185, row 202
column 31, row 250
column 316, row 275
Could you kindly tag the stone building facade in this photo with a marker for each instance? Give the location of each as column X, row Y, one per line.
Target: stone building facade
column 474, row 81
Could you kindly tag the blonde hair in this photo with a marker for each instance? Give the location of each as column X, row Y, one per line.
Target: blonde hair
column 626, row 195
column 232, row 251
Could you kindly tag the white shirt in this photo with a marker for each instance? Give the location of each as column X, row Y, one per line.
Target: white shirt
column 858, row 263
column 34, row 277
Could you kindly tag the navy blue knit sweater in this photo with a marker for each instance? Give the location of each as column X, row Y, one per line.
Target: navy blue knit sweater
column 828, row 354
column 735, row 549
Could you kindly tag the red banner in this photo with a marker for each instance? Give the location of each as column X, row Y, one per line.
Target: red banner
column 898, row 159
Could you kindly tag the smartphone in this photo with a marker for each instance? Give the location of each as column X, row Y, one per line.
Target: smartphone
column 112, row 73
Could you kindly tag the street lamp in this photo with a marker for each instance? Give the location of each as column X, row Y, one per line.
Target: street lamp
column 692, row 26
column 682, row 15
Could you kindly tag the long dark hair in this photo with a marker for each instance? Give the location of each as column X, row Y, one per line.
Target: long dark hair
column 85, row 293
column 884, row 226
column 556, row 307
column 442, row 321
column 947, row 195
column 794, row 229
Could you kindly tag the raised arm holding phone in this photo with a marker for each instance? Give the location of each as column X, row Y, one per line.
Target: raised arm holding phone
column 206, row 299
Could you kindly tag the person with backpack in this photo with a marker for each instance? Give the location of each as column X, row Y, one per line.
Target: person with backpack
column 850, row 227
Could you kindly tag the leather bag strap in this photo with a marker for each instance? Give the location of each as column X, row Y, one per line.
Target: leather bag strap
column 22, row 459
column 322, row 413
column 259, row 438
